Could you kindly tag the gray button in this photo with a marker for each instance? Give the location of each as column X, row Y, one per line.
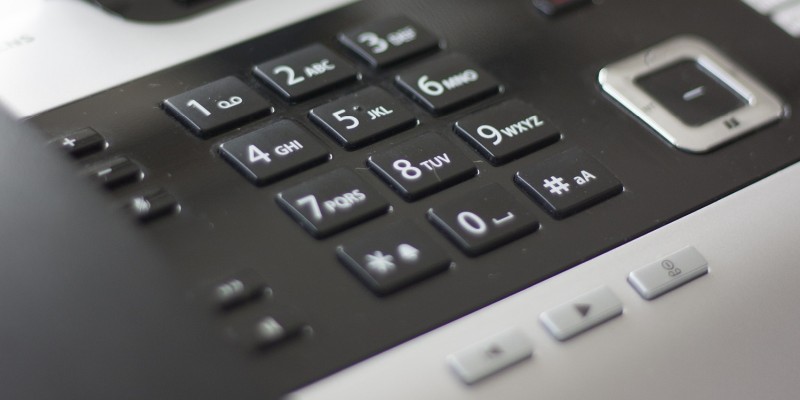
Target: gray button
column 668, row 273
column 490, row 355
column 582, row 313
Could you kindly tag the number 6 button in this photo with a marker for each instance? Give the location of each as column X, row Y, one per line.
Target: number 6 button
column 211, row 108
column 483, row 220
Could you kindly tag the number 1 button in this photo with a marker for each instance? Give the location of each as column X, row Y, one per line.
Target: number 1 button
column 483, row 220
column 209, row 109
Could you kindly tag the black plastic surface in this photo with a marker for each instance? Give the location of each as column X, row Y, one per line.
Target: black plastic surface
column 226, row 223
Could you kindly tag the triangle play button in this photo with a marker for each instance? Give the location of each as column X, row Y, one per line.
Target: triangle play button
column 583, row 309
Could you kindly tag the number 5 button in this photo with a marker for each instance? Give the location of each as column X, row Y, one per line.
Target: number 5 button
column 211, row 108
column 362, row 117
column 483, row 220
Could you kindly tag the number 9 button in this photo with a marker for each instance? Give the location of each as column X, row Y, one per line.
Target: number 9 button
column 363, row 117
column 211, row 108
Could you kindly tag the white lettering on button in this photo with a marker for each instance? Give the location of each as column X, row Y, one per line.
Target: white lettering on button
column 402, row 36
column 378, row 112
column 232, row 102
column 584, row 178
column 436, row 162
column 435, row 88
column 556, row 185
column 319, row 68
column 380, row 263
column 408, row 253
column 411, row 172
column 288, row 148
column 496, row 135
column 68, row 142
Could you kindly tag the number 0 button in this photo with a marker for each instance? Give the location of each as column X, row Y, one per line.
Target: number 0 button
column 483, row 220
column 274, row 152
column 332, row 202
column 305, row 72
column 218, row 105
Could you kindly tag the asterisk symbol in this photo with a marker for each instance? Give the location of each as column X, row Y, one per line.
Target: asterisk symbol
column 380, row 263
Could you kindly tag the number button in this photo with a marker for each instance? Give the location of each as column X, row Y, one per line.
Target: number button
column 388, row 41
column 483, row 220
column 274, row 152
column 422, row 166
column 447, row 83
column 305, row 72
column 332, row 202
column 507, row 131
column 221, row 104
column 363, row 117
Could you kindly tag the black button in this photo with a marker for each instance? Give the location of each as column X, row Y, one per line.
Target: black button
column 274, row 152
column 568, row 182
column 421, row 166
column 332, row 202
column 152, row 205
column 219, row 105
column 363, row 117
column 691, row 93
column 554, row 7
column 393, row 258
column 305, row 72
column 507, row 131
column 483, row 219
column 81, row 143
column 266, row 326
column 446, row 83
column 389, row 40
column 116, row 172
column 236, row 289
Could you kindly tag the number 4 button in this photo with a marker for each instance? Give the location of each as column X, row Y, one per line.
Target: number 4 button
column 274, row 152
column 483, row 220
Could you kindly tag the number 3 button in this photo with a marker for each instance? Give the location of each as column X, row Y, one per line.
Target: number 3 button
column 483, row 220
column 213, row 107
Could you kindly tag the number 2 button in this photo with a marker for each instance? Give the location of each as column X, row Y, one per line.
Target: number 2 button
column 221, row 104
column 305, row 72
column 483, row 220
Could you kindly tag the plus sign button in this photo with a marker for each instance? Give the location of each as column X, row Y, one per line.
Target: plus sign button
column 568, row 182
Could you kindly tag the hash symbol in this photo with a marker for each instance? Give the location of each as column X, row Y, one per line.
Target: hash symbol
column 556, row 185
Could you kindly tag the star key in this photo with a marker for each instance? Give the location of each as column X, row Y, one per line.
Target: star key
column 399, row 256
